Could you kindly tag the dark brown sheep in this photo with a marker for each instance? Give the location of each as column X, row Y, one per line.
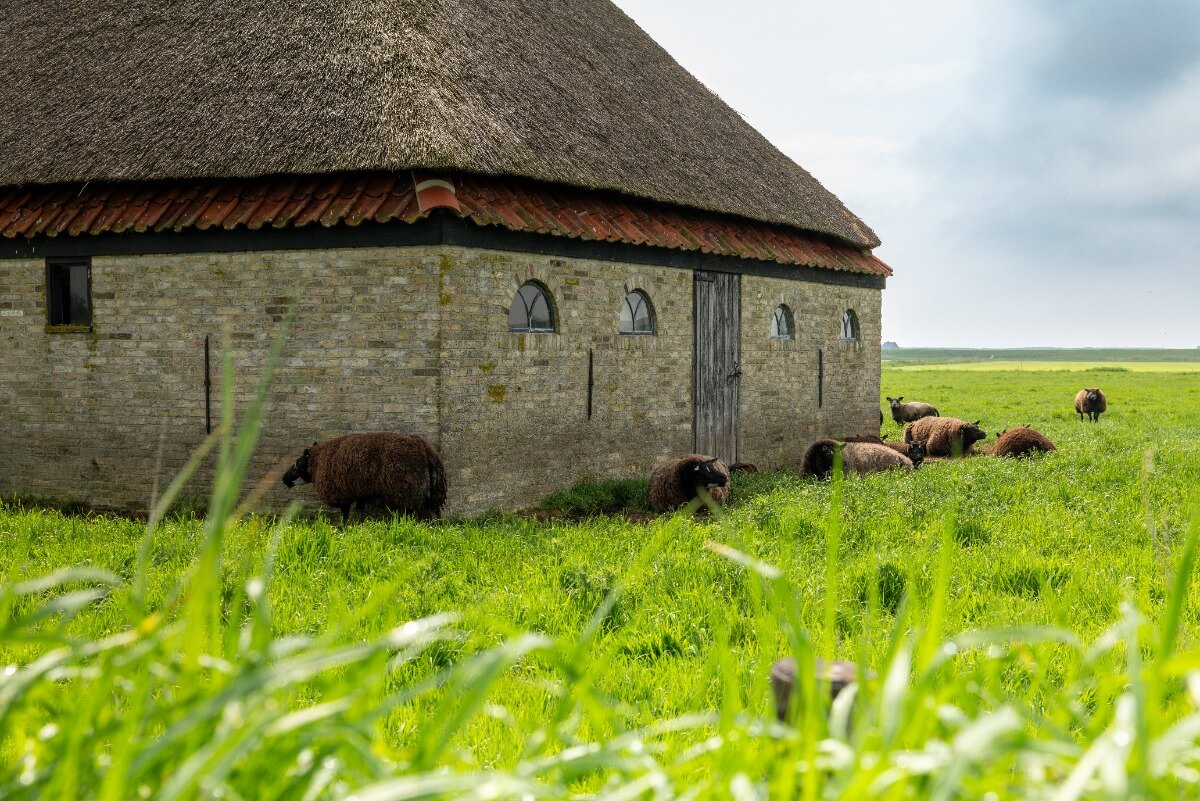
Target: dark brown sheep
column 743, row 467
column 945, row 436
column 402, row 471
column 677, row 482
column 1021, row 441
column 1090, row 402
column 857, row 457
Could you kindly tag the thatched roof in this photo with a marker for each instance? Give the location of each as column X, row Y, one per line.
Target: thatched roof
column 563, row 91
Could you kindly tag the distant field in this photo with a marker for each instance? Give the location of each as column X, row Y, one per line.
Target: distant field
column 1095, row 356
column 1099, row 367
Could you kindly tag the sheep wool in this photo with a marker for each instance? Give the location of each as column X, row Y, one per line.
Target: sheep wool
column 1091, row 402
column 674, row 483
column 1022, row 441
column 857, row 457
column 944, row 436
column 402, row 471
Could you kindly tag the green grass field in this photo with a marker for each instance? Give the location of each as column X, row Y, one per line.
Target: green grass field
column 647, row 674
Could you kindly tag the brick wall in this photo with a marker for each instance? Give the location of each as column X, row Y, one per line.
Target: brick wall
column 404, row 339
column 780, row 414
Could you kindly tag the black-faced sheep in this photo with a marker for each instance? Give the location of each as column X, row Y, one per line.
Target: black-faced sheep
column 402, row 471
column 677, row 482
column 1090, row 402
column 1021, row 441
column 857, row 457
column 909, row 412
column 945, row 436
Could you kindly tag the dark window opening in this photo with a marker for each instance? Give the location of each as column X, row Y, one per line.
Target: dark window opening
column 637, row 315
column 782, row 326
column 69, row 292
column 531, row 310
column 850, row 325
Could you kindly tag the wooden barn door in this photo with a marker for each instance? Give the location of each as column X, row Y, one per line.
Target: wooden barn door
column 718, row 303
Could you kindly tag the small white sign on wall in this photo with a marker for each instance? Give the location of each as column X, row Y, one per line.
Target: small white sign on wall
column 11, row 313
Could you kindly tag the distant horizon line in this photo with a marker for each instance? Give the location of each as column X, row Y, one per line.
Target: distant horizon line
column 1036, row 347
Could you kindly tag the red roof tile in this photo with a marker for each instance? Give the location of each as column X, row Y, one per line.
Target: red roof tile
column 518, row 205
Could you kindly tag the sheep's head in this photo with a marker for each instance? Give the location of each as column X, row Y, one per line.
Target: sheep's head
column 916, row 453
column 706, row 474
column 972, row 433
column 819, row 459
column 1093, row 395
column 1000, row 434
column 298, row 471
column 895, row 402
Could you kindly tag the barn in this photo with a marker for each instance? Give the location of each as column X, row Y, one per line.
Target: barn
column 517, row 227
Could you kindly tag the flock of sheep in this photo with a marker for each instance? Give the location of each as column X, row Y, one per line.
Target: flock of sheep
column 405, row 473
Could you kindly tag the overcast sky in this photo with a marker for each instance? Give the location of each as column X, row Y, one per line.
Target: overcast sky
column 1032, row 166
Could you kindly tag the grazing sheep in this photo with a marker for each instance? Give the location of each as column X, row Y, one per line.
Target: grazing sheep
column 743, row 467
column 1021, row 441
column 402, row 471
column 909, row 412
column 676, row 482
column 945, row 436
column 857, row 457
column 1090, row 402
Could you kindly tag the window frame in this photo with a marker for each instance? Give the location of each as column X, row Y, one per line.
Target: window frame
column 58, row 262
column 855, row 332
column 645, row 301
column 791, row 323
column 551, row 311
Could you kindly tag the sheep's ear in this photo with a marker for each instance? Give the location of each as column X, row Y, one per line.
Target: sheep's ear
column 711, row 461
column 976, row 423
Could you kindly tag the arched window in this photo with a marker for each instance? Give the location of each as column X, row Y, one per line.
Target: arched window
column 637, row 315
column 531, row 310
column 782, row 326
column 850, row 326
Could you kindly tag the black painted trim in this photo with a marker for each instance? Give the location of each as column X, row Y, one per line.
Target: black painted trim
column 437, row 229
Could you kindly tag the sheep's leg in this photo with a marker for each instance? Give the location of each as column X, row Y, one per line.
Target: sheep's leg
column 345, row 507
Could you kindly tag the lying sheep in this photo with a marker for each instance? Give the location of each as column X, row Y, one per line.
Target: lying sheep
column 1090, row 402
column 677, row 482
column 402, row 471
column 915, row 451
column 857, row 457
column 945, row 436
column 1021, row 441
column 908, row 412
